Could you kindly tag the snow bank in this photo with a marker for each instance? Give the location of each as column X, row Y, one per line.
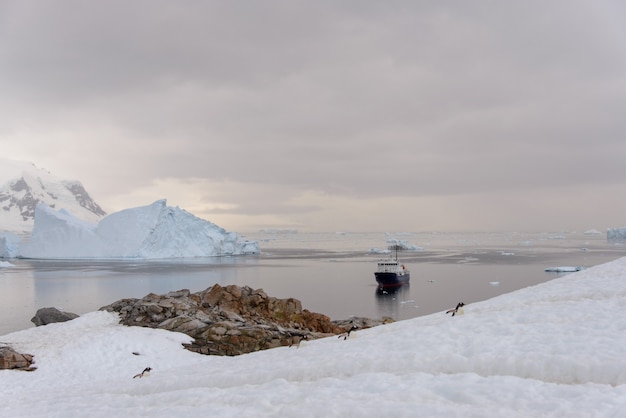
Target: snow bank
column 555, row 349
column 147, row 232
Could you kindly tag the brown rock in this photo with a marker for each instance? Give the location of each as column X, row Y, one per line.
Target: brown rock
column 11, row 359
column 227, row 320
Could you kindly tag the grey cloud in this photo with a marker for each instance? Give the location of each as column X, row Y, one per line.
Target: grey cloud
column 362, row 99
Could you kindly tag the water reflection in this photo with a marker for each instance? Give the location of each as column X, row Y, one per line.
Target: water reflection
column 391, row 301
column 81, row 286
column 84, row 291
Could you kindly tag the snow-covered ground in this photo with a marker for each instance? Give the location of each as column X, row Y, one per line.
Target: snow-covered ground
column 555, row 349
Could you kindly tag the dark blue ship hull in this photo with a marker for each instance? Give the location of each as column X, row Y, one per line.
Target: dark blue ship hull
column 391, row 279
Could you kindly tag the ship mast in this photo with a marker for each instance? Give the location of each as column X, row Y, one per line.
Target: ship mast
column 395, row 247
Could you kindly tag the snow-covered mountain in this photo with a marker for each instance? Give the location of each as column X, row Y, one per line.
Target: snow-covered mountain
column 146, row 232
column 23, row 186
column 43, row 216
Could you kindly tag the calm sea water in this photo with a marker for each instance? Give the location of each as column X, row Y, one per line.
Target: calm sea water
column 330, row 273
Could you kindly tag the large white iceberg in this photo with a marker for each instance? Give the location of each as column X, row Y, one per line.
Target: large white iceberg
column 147, row 232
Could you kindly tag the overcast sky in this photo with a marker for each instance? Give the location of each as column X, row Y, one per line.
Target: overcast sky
column 327, row 115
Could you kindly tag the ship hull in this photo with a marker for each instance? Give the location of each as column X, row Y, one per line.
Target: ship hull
column 391, row 279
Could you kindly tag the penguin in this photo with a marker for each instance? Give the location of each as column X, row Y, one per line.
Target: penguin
column 458, row 310
column 144, row 373
column 299, row 339
column 346, row 334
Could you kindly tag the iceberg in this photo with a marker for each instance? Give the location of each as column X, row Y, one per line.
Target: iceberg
column 564, row 269
column 616, row 234
column 402, row 244
column 147, row 232
column 8, row 244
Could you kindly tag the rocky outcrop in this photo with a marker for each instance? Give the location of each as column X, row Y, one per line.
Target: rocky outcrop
column 11, row 359
column 228, row 320
column 45, row 316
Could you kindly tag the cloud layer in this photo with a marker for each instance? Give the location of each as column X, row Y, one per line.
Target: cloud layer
column 326, row 115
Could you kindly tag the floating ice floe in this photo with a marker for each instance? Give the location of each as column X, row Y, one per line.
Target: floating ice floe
column 375, row 250
column 564, row 269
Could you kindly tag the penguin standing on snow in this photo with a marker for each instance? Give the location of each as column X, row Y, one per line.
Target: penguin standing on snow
column 144, row 373
column 346, row 334
column 297, row 340
column 458, row 310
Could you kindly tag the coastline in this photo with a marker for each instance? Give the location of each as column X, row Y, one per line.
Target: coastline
column 324, row 271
